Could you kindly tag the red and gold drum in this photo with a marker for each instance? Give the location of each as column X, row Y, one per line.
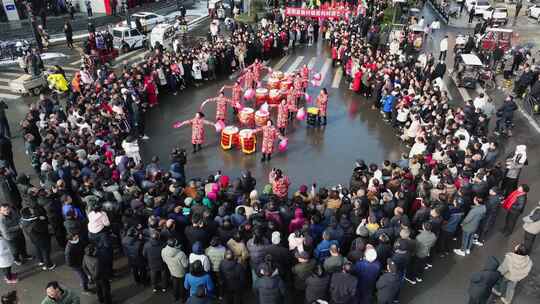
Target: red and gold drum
column 275, row 97
column 285, row 84
column 277, row 74
column 261, row 95
column 273, row 83
column 229, row 137
column 261, row 117
column 247, row 116
column 248, row 141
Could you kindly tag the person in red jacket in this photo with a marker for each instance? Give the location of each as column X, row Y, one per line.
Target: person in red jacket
column 357, row 81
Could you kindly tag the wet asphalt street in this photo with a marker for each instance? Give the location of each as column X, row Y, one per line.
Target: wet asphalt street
column 321, row 155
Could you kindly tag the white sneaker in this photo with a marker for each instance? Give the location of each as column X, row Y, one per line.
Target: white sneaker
column 428, row 265
column 412, row 282
column 419, row 280
column 468, row 251
column 460, row 252
column 478, row 243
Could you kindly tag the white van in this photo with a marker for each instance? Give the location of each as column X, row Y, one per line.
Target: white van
column 132, row 37
column 164, row 34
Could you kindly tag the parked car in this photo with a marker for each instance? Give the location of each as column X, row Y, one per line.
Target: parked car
column 480, row 6
column 148, row 20
column 534, row 12
column 124, row 37
column 499, row 15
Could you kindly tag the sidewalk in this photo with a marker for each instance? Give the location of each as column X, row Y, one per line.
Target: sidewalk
column 22, row 29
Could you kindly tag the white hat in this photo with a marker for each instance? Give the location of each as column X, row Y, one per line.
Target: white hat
column 124, row 91
column 276, row 238
column 370, row 255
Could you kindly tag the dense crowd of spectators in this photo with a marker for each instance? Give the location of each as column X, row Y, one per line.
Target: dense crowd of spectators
column 217, row 236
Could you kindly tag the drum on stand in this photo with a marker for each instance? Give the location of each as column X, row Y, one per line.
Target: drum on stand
column 248, row 141
column 275, row 97
column 261, row 117
column 312, row 116
column 273, row 83
column 247, row 116
column 229, row 137
column 261, row 95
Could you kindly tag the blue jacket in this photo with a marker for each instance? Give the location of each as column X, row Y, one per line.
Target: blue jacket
column 367, row 274
column 191, row 283
column 322, row 251
column 388, row 103
column 454, row 220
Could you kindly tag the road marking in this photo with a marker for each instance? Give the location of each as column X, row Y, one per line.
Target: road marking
column 76, row 62
column 295, row 64
column 337, row 78
column 12, row 74
column 4, row 87
column 129, row 54
column 9, row 96
column 311, row 63
column 325, row 68
column 5, row 80
column 130, row 60
column 65, row 68
column 281, row 63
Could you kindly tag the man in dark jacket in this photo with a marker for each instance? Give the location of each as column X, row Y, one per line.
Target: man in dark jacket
column 280, row 255
column 388, row 284
column 343, row 286
column 505, row 114
column 98, row 269
column 74, row 254
column 234, row 278
column 269, row 289
column 196, row 232
column 133, row 248
column 35, row 224
column 152, row 254
column 6, row 151
column 11, row 231
column 483, row 281
column 515, row 208
column 302, row 271
column 317, row 285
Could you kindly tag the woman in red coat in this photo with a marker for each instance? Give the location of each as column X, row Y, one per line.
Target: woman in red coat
column 283, row 114
column 357, row 81
column 151, row 91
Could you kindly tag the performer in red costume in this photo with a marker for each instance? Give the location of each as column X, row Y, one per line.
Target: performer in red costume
column 248, row 78
column 293, row 98
column 283, row 112
column 197, row 129
column 322, row 104
column 236, row 95
column 304, row 72
column 269, row 136
column 221, row 106
column 280, row 183
column 257, row 67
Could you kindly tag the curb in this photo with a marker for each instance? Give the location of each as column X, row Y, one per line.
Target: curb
column 57, row 41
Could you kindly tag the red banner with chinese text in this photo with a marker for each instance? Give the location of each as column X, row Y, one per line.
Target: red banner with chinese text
column 316, row 13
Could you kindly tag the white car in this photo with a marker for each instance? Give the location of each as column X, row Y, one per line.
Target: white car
column 497, row 14
column 148, row 20
column 534, row 12
column 480, row 6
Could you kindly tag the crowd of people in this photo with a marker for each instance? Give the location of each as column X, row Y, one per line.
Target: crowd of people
column 218, row 237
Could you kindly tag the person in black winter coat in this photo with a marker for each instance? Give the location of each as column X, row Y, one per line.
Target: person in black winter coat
column 35, row 224
column 196, row 232
column 74, row 254
column 317, row 285
column 269, row 289
column 388, row 284
column 247, row 182
column 343, row 286
column 234, row 279
column 100, row 272
column 133, row 244
column 152, row 254
column 483, row 281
